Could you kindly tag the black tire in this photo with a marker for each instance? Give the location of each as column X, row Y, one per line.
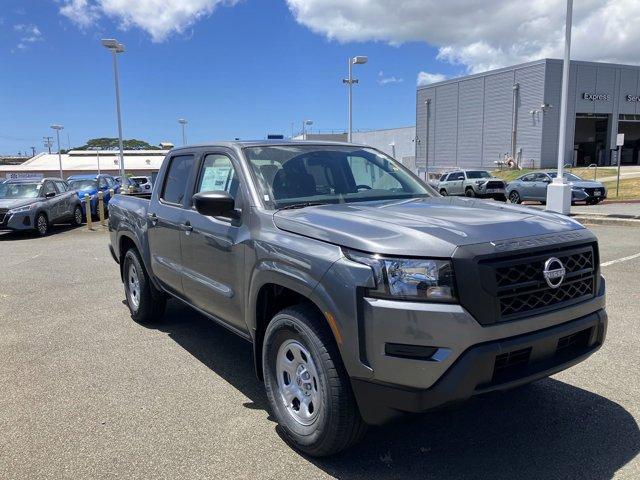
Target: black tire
column 500, row 198
column 514, row 197
column 469, row 192
column 335, row 423
column 443, row 192
column 77, row 216
column 42, row 224
column 145, row 302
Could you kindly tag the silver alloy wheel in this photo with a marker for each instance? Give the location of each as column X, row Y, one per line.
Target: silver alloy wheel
column 42, row 224
column 514, row 197
column 298, row 383
column 133, row 286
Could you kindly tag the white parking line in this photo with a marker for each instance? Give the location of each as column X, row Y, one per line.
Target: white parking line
column 618, row 260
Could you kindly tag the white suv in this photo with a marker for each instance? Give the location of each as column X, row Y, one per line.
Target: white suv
column 472, row 183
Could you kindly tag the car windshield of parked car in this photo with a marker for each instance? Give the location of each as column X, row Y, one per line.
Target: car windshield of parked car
column 301, row 174
column 19, row 190
column 83, row 184
column 478, row 174
column 569, row 176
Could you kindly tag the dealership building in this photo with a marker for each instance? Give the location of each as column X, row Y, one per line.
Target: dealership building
column 479, row 120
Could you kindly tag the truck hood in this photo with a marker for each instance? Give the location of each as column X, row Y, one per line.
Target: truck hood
column 10, row 203
column 420, row 226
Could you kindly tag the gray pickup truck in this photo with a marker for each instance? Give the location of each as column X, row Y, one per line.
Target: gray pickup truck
column 364, row 293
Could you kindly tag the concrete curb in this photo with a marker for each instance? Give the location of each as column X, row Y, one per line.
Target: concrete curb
column 602, row 220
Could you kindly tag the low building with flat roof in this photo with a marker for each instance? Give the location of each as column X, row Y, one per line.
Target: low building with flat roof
column 76, row 162
column 477, row 120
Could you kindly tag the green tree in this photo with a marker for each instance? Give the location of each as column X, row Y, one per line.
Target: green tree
column 108, row 143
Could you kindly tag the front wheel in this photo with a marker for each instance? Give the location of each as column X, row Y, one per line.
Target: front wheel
column 42, row 224
column 469, row 192
column 307, row 386
column 443, row 192
column 514, row 197
column 145, row 303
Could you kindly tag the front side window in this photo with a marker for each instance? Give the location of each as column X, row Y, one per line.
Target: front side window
column 217, row 174
column 293, row 174
column 443, row 178
column 102, row 183
column 48, row 188
column 62, row 186
column 19, row 190
column 175, row 182
column 569, row 176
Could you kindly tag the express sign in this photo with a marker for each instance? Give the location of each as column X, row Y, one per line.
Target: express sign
column 596, row 97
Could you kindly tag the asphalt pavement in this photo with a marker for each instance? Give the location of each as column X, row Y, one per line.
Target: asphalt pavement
column 87, row 393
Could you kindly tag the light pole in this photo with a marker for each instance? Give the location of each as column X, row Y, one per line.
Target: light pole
column 183, row 122
column 57, row 128
column 305, row 124
column 358, row 60
column 426, row 142
column 116, row 47
column 98, row 158
column 559, row 191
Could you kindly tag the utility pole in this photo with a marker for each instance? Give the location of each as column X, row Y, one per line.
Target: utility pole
column 48, row 143
column 33, row 151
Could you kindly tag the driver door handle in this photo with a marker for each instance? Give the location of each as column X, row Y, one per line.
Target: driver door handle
column 153, row 217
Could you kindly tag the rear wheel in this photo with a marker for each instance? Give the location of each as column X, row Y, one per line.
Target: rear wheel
column 42, row 224
column 514, row 197
column 307, row 386
column 145, row 302
column 77, row 216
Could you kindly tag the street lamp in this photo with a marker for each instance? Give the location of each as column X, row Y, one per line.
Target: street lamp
column 183, row 122
column 116, row 47
column 359, row 60
column 559, row 191
column 97, row 149
column 57, row 128
column 305, row 124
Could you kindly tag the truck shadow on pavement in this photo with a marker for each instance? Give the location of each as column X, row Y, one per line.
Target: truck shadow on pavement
column 546, row 430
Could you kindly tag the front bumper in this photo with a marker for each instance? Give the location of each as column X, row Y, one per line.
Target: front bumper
column 18, row 221
column 495, row 365
column 492, row 192
column 582, row 196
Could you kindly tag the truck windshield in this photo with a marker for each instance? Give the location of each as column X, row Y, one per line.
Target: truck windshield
column 83, row 184
column 478, row 174
column 311, row 174
column 19, row 190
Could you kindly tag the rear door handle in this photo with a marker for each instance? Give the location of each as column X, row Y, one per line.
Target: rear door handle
column 186, row 227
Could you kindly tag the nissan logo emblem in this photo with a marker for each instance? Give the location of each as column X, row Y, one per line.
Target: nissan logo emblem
column 554, row 272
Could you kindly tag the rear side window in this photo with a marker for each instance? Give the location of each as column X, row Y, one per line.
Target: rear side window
column 456, row 176
column 175, row 183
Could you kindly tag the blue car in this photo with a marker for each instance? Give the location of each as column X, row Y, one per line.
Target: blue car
column 91, row 185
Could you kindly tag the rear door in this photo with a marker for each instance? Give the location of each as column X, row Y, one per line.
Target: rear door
column 66, row 202
column 213, row 247
column 165, row 217
column 51, row 201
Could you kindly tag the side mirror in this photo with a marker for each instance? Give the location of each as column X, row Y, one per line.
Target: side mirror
column 50, row 194
column 214, row 204
column 547, row 180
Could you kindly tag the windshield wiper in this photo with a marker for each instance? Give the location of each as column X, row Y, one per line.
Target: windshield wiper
column 294, row 206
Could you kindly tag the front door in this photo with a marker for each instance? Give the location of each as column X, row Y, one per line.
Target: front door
column 539, row 186
column 456, row 180
column 164, row 219
column 213, row 247
column 52, row 201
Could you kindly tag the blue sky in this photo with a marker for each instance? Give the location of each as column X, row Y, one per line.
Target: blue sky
column 243, row 71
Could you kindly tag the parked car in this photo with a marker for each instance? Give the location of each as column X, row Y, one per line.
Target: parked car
column 144, row 183
column 533, row 186
column 472, row 183
column 91, row 184
column 130, row 183
column 37, row 204
column 363, row 292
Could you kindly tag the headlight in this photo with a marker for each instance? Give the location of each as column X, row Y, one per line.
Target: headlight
column 26, row 208
column 411, row 279
column 480, row 182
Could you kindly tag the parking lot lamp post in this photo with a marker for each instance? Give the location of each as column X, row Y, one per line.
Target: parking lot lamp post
column 116, row 47
column 305, row 124
column 98, row 158
column 183, row 122
column 559, row 191
column 57, row 128
column 358, row 60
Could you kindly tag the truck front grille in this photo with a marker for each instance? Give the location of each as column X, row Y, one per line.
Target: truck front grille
column 495, row 184
column 522, row 290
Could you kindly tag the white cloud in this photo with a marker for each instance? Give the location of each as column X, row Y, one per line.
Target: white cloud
column 482, row 34
column 28, row 33
column 388, row 79
column 425, row 78
column 159, row 18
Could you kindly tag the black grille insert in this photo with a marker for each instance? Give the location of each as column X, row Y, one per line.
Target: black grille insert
column 574, row 343
column 509, row 365
column 495, row 184
column 522, row 290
